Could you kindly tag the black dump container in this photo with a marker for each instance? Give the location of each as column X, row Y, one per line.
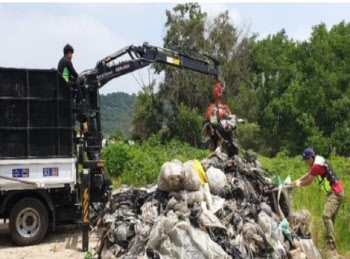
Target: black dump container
column 36, row 119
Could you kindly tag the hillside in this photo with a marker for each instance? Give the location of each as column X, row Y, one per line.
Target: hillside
column 116, row 112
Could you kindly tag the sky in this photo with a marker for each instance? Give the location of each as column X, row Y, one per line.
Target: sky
column 33, row 35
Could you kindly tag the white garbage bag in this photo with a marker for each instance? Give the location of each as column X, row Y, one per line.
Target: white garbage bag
column 174, row 238
column 170, row 177
column 175, row 176
column 265, row 222
column 191, row 180
column 216, row 179
column 309, row 248
column 207, row 218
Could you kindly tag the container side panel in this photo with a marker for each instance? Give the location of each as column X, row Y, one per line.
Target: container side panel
column 43, row 84
column 13, row 83
column 43, row 114
column 13, row 143
column 13, row 113
column 43, row 143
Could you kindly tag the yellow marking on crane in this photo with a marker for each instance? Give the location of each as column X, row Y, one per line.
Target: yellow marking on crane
column 174, row 61
column 86, row 205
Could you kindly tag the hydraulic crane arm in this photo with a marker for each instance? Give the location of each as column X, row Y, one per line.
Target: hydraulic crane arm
column 86, row 100
column 142, row 56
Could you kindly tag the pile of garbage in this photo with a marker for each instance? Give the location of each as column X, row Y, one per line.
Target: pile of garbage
column 221, row 207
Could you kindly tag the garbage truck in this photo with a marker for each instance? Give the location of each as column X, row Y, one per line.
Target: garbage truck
column 51, row 172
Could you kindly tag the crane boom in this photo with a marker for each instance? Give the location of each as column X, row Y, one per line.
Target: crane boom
column 89, row 82
column 142, row 56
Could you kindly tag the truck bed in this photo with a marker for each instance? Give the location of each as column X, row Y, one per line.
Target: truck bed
column 20, row 174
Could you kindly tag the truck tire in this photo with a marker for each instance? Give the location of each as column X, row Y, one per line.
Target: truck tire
column 28, row 222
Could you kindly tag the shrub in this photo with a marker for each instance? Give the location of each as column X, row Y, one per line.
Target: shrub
column 116, row 156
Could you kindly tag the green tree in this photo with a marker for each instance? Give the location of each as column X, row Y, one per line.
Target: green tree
column 248, row 136
column 189, row 125
column 300, row 90
column 185, row 95
column 147, row 116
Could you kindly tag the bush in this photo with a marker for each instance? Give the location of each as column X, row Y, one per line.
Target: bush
column 116, row 156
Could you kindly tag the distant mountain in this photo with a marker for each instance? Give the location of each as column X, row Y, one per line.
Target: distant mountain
column 116, row 112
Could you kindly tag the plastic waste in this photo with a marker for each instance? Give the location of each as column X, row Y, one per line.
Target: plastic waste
column 172, row 238
column 185, row 218
column 287, row 181
column 230, row 123
column 216, row 179
column 170, row 177
column 300, row 223
column 207, row 218
column 284, row 225
column 175, row 176
column 276, row 179
column 191, row 180
column 265, row 222
column 298, row 254
column 198, row 168
column 309, row 248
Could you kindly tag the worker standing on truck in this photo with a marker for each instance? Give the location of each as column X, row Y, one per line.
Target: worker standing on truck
column 330, row 183
column 65, row 65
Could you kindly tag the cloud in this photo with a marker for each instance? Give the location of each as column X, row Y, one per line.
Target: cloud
column 214, row 9
column 34, row 39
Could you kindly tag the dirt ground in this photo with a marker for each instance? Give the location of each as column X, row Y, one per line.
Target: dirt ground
column 65, row 242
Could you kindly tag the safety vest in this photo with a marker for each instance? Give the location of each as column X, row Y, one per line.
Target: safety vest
column 329, row 174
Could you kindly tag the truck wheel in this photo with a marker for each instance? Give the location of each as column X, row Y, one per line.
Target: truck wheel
column 28, row 222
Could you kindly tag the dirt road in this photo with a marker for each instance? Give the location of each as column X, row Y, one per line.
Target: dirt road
column 65, row 242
